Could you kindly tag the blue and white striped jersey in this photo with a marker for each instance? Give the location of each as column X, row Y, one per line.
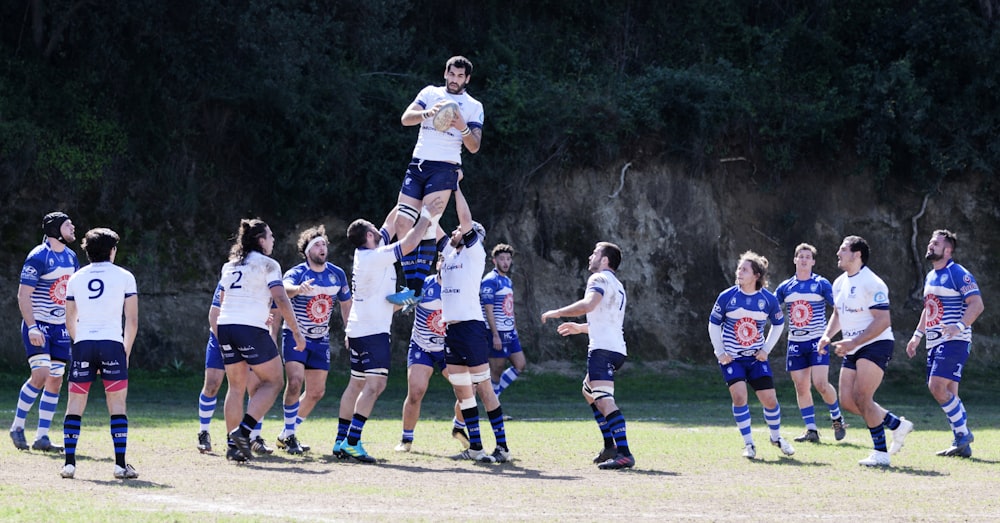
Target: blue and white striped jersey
column 313, row 309
column 428, row 327
column 47, row 271
column 945, row 292
column 743, row 317
column 806, row 300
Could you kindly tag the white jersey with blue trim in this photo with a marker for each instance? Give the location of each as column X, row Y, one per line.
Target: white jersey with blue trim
column 461, row 273
column 497, row 290
column 47, row 271
column 99, row 291
column 854, row 298
column 945, row 292
column 445, row 146
column 248, row 290
column 374, row 278
column 743, row 318
column 606, row 323
column 314, row 308
column 428, row 325
column 806, row 300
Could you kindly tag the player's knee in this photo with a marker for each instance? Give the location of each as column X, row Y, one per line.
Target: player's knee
column 316, row 392
column 408, row 212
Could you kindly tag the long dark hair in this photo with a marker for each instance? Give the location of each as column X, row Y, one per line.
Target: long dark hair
column 247, row 239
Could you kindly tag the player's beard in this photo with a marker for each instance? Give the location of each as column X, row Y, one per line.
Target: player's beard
column 317, row 260
column 931, row 256
column 460, row 90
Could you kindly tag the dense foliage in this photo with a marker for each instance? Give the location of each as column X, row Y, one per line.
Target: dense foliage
column 178, row 117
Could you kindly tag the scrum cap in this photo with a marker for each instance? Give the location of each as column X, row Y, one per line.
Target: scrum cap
column 52, row 223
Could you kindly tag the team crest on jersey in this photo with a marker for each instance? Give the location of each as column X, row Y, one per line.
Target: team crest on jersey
column 800, row 312
column 944, row 278
column 760, row 304
column 746, row 331
column 934, row 310
column 318, row 308
column 814, row 287
column 434, row 323
column 57, row 292
column 880, row 297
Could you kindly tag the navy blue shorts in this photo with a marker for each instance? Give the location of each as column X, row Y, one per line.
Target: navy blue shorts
column 602, row 364
column 467, row 343
column 245, row 343
column 879, row 353
column 948, row 359
column 213, row 354
column 424, row 177
column 803, row 354
column 417, row 356
column 104, row 356
column 57, row 343
column 370, row 355
column 315, row 357
column 510, row 345
column 757, row 373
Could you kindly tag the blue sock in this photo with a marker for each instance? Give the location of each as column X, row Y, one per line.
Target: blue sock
column 119, row 435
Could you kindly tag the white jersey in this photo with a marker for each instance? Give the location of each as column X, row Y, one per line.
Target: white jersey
column 445, row 146
column 374, row 278
column 99, row 291
column 605, row 323
column 854, row 298
column 461, row 273
column 247, row 288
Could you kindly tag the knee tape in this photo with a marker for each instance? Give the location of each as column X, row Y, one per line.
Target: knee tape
column 460, row 378
column 39, row 360
column 480, row 377
column 408, row 211
column 603, row 392
column 57, row 369
column 468, row 403
column 587, row 391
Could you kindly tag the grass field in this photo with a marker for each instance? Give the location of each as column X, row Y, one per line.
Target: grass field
column 680, row 428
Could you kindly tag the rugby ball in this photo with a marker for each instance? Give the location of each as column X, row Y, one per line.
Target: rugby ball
column 444, row 116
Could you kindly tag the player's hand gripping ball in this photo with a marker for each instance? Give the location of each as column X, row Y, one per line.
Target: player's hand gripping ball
column 444, row 116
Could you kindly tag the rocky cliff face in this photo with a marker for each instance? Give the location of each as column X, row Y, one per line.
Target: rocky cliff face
column 681, row 236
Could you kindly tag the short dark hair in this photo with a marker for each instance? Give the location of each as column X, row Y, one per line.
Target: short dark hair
column 98, row 244
column 758, row 265
column 612, row 252
column 805, row 247
column 859, row 244
column 461, row 62
column 307, row 236
column 948, row 236
column 357, row 232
